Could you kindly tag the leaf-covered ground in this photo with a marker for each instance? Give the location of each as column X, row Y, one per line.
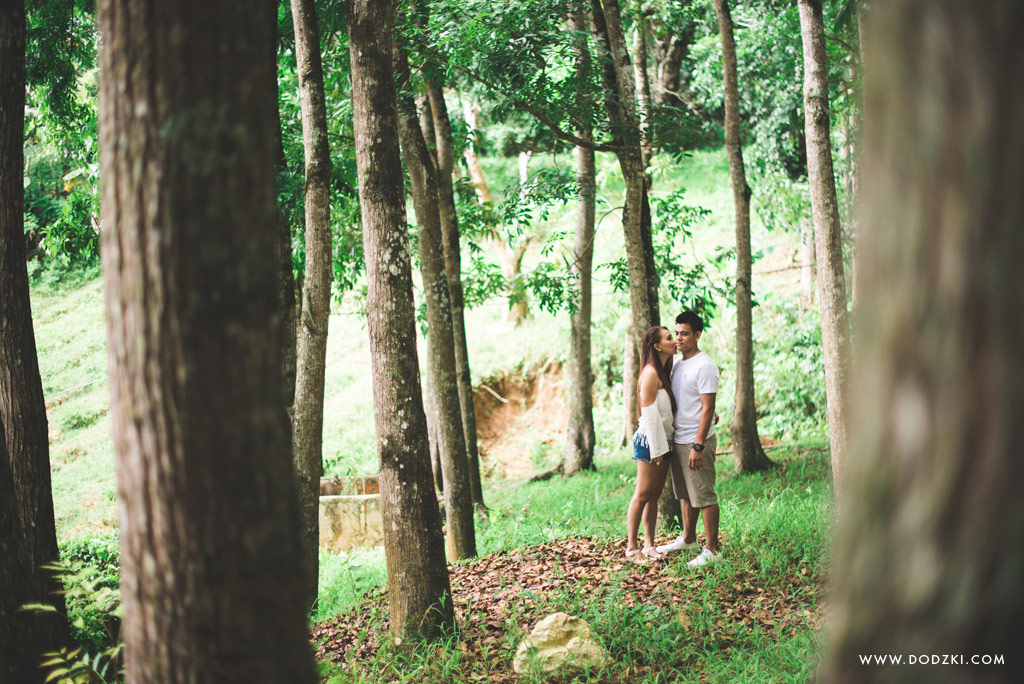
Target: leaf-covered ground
column 499, row 598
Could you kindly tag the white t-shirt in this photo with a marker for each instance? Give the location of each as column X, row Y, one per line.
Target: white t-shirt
column 691, row 378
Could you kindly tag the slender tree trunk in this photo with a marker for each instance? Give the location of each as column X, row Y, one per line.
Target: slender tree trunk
column 835, row 326
column 667, row 80
column 580, row 439
column 311, row 354
column 22, row 409
column 286, row 287
column 419, row 592
column 454, row 462
column 940, row 380
column 746, row 446
column 445, row 146
column 210, row 564
column 471, row 113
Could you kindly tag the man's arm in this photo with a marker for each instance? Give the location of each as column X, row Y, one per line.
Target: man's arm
column 707, row 414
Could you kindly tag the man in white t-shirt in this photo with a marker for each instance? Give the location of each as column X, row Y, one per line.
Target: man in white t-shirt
column 695, row 385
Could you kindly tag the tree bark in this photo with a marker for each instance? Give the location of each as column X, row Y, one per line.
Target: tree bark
column 445, row 150
column 311, row 354
column 286, row 287
column 461, row 539
column 419, row 592
column 210, row 565
column 835, row 326
column 580, row 438
column 746, row 446
column 19, row 642
column 22, row 409
column 940, row 375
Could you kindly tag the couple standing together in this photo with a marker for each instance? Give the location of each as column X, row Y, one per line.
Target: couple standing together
column 676, row 433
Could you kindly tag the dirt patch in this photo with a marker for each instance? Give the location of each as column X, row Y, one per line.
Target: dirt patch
column 521, row 420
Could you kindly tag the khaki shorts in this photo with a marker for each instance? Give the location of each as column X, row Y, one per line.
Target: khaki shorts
column 696, row 486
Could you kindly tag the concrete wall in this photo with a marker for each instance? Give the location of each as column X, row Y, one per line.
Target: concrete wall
column 347, row 522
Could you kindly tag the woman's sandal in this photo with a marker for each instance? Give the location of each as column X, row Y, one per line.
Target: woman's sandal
column 652, row 553
column 635, row 556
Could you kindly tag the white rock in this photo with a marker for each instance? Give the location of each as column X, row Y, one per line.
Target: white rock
column 560, row 640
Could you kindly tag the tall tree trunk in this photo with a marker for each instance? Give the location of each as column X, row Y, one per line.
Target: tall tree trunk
column 445, row 150
column 419, row 592
column 22, row 409
column 746, row 446
column 454, row 462
column 940, row 375
column 835, row 326
column 311, row 354
column 210, row 565
column 471, row 114
column 286, row 286
column 580, row 438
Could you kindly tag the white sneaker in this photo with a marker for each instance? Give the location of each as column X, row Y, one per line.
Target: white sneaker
column 678, row 545
column 704, row 558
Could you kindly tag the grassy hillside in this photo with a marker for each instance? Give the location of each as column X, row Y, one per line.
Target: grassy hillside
column 71, row 338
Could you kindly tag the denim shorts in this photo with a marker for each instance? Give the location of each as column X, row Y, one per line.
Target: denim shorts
column 642, row 452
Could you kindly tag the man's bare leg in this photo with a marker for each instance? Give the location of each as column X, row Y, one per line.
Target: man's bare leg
column 710, row 516
column 689, row 521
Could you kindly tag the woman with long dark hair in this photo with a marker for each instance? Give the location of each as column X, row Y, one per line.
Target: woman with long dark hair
column 652, row 442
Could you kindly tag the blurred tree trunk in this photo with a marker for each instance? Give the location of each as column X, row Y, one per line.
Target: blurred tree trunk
column 835, row 326
column 580, row 439
column 419, row 592
column 311, row 354
column 22, row 408
column 210, row 562
column 458, row 507
column 927, row 556
column 445, row 150
column 746, row 446
column 471, row 113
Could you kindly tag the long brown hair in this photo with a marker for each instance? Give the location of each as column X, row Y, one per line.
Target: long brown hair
column 649, row 355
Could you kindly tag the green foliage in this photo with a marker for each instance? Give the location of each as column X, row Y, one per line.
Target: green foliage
column 88, row 571
column 72, row 237
column 789, row 372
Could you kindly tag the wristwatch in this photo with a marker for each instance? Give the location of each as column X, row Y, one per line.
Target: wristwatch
column 698, row 447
